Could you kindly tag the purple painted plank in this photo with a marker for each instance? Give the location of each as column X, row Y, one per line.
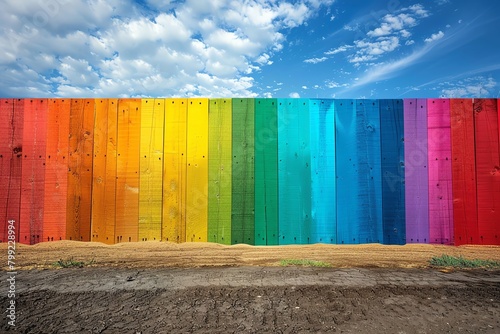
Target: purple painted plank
column 440, row 180
column 416, row 172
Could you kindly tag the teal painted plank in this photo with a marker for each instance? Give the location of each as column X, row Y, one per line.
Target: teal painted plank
column 266, row 172
column 243, row 194
column 294, row 173
column 393, row 173
column 323, row 182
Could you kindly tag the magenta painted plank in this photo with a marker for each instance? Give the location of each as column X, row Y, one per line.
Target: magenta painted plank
column 416, row 171
column 440, row 175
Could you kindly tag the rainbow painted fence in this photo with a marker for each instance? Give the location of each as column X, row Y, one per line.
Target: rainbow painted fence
column 255, row 171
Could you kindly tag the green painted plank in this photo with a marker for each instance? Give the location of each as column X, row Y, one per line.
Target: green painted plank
column 266, row 172
column 243, row 201
column 219, row 170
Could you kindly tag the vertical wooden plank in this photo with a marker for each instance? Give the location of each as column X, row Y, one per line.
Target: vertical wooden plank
column 359, row 184
column 488, row 171
column 243, row 193
column 348, row 205
column 463, row 164
column 219, row 170
column 197, row 170
column 81, row 146
column 323, row 182
column 33, row 170
column 11, row 157
column 294, row 174
column 416, row 172
column 56, row 170
column 104, row 171
column 127, row 170
column 151, row 169
column 110, row 172
column 439, row 163
column 175, row 170
column 392, row 162
column 266, row 172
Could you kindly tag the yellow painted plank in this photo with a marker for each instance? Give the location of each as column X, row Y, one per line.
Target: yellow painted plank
column 174, row 170
column 197, row 170
column 151, row 169
column 127, row 170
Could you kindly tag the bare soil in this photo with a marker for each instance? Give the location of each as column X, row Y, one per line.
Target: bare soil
column 154, row 287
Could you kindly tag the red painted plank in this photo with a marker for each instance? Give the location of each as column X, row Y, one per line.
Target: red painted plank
column 11, row 129
column 488, row 171
column 80, row 169
column 33, row 170
column 464, row 172
column 56, row 170
column 440, row 179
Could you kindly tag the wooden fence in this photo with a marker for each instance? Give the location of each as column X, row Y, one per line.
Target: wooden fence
column 255, row 171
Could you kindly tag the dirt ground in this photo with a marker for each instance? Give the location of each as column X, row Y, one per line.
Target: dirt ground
column 155, row 287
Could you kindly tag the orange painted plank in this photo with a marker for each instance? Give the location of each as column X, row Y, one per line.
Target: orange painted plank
column 33, row 170
column 463, row 164
column 104, row 171
column 11, row 141
column 80, row 169
column 127, row 170
column 56, row 170
column 174, row 170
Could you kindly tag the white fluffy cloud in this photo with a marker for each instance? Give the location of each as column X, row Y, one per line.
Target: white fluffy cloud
column 478, row 86
column 120, row 48
column 435, row 37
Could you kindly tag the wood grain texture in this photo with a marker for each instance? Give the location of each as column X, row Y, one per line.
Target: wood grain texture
column 127, row 170
column 487, row 170
column 416, row 172
column 392, row 163
column 197, row 171
column 33, row 170
column 220, row 170
column 151, row 169
column 440, row 177
column 79, row 203
column 266, row 172
column 323, row 177
column 463, row 164
column 359, row 184
column 104, row 171
column 11, row 157
column 243, row 182
column 294, row 173
column 175, row 171
column 56, row 170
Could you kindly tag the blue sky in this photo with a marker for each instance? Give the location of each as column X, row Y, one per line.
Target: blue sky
column 250, row 48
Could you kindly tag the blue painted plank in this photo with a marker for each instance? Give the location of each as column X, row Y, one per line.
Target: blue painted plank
column 294, row 173
column 393, row 185
column 359, row 193
column 323, row 182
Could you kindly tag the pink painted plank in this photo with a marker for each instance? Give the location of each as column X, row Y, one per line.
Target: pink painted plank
column 416, row 171
column 440, row 176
